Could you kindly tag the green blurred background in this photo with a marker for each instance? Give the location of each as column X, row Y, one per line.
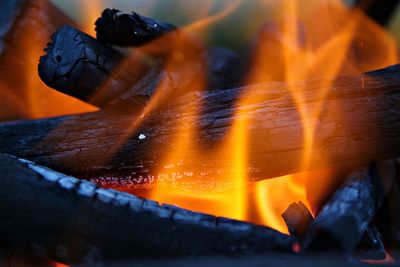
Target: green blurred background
column 243, row 22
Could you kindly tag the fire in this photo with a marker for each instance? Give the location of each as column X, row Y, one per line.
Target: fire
column 22, row 93
column 91, row 10
column 291, row 47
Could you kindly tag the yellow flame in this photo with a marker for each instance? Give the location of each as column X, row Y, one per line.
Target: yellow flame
column 91, row 10
column 304, row 40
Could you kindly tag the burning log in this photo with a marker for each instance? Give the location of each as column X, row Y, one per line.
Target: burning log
column 69, row 219
column 78, row 65
column 342, row 222
column 130, row 29
column 105, row 144
column 298, row 219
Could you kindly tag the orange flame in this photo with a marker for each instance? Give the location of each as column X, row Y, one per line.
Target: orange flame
column 91, row 10
column 290, row 48
column 22, row 93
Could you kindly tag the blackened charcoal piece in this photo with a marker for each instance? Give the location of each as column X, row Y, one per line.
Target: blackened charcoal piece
column 78, row 65
column 342, row 222
column 297, row 218
column 129, row 29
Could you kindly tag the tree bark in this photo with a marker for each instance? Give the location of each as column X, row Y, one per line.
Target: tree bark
column 358, row 123
column 69, row 219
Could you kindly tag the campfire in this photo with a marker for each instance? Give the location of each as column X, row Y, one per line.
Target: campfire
column 133, row 139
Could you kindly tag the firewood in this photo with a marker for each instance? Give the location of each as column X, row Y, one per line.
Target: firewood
column 298, row 219
column 130, row 29
column 69, row 219
column 118, row 145
column 78, row 65
column 342, row 222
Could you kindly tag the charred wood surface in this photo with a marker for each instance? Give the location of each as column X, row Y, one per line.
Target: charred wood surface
column 358, row 123
column 129, row 29
column 78, row 65
column 69, row 219
column 297, row 218
column 342, row 222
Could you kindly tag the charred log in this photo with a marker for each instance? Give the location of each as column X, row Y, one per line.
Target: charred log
column 78, row 65
column 358, row 123
column 298, row 219
column 129, row 29
column 342, row 222
column 67, row 219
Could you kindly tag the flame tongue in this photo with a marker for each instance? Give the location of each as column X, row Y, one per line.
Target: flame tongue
column 322, row 38
column 292, row 47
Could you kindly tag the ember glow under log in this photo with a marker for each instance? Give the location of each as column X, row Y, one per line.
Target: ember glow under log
column 68, row 220
column 358, row 123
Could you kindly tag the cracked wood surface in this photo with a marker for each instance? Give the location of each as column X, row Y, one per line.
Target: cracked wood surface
column 343, row 221
column 68, row 219
column 78, row 65
column 359, row 122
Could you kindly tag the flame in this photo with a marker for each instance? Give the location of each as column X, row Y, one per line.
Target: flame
column 91, row 10
column 291, row 47
column 22, row 93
